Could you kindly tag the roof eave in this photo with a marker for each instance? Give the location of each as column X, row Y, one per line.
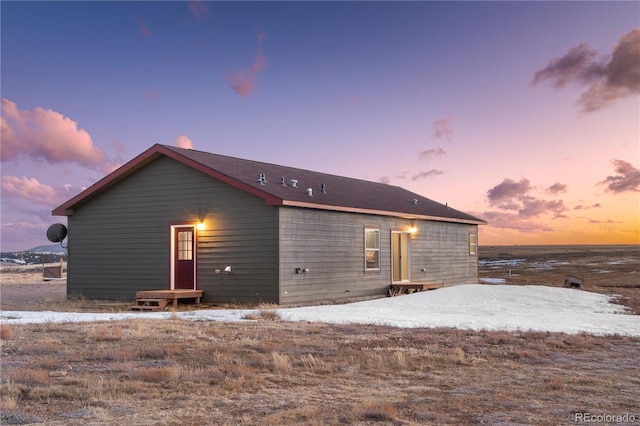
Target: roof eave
column 403, row 215
column 145, row 158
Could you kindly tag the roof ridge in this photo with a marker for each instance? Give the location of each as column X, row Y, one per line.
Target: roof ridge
column 175, row 148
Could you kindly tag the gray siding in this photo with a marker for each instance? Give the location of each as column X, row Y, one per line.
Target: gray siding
column 442, row 248
column 331, row 246
column 119, row 240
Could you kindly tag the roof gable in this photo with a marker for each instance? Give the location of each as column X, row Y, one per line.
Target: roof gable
column 340, row 193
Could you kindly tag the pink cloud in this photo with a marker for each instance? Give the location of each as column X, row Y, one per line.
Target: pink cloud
column 120, row 149
column 609, row 77
column 44, row 134
column 508, row 190
column 556, row 188
column 512, row 195
column 443, row 129
column 514, row 221
column 429, row 153
column 243, row 81
column 582, row 207
column 198, row 9
column 426, row 174
column 183, row 141
column 596, row 221
column 29, row 189
column 628, row 178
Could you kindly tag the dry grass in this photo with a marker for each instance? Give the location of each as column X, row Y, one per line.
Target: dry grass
column 268, row 371
column 105, row 332
column 5, row 331
column 262, row 315
column 274, row 372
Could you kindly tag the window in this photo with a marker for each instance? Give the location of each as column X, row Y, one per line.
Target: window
column 473, row 244
column 185, row 245
column 371, row 249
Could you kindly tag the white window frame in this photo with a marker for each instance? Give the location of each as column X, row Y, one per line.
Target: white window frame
column 371, row 249
column 473, row 244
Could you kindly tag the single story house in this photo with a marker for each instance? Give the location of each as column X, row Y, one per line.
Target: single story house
column 246, row 231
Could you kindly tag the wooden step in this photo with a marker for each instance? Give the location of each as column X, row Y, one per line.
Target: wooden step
column 410, row 287
column 150, row 300
column 143, row 304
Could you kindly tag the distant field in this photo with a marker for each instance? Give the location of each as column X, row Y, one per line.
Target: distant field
column 604, row 266
column 608, row 269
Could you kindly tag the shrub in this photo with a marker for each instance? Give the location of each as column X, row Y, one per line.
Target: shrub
column 106, row 333
column 29, row 376
column 281, row 363
column 5, row 332
column 555, row 383
column 382, row 413
column 268, row 315
column 154, row 374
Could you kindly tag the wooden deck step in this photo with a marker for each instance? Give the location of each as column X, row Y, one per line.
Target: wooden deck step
column 150, row 304
column 408, row 288
column 155, row 300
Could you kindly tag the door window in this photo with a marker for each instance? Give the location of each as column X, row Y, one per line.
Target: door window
column 185, row 245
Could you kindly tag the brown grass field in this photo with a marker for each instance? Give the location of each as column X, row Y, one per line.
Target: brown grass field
column 272, row 372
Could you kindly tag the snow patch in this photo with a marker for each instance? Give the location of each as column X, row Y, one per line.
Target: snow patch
column 493, row 280
column 471, row 307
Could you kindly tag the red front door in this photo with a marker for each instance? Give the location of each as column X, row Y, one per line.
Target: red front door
column 184, row 257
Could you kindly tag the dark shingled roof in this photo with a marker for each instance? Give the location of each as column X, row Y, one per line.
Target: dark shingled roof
column 341, row 193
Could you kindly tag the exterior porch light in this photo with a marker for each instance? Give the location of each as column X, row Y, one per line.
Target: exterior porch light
column 200, row 226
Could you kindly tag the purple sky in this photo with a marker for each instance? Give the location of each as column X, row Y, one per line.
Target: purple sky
column 523, row 113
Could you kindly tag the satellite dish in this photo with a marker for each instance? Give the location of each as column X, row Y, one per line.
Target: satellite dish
column 56, row 233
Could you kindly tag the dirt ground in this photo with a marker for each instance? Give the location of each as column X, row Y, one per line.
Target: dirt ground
column 22, row 288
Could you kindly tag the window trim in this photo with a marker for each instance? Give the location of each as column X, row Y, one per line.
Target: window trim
column 371, row 249
column 473, row 244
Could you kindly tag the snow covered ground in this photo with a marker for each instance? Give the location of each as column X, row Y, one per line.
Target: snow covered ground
column 472, row 306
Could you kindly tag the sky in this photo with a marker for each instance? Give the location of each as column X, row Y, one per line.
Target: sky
column 467, row 307
column 524, row 114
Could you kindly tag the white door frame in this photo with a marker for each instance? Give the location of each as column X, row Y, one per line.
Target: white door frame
column 403, row 256
column 173, row 254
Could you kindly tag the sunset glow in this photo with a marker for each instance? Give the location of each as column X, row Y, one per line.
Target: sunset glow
column 525, row 114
